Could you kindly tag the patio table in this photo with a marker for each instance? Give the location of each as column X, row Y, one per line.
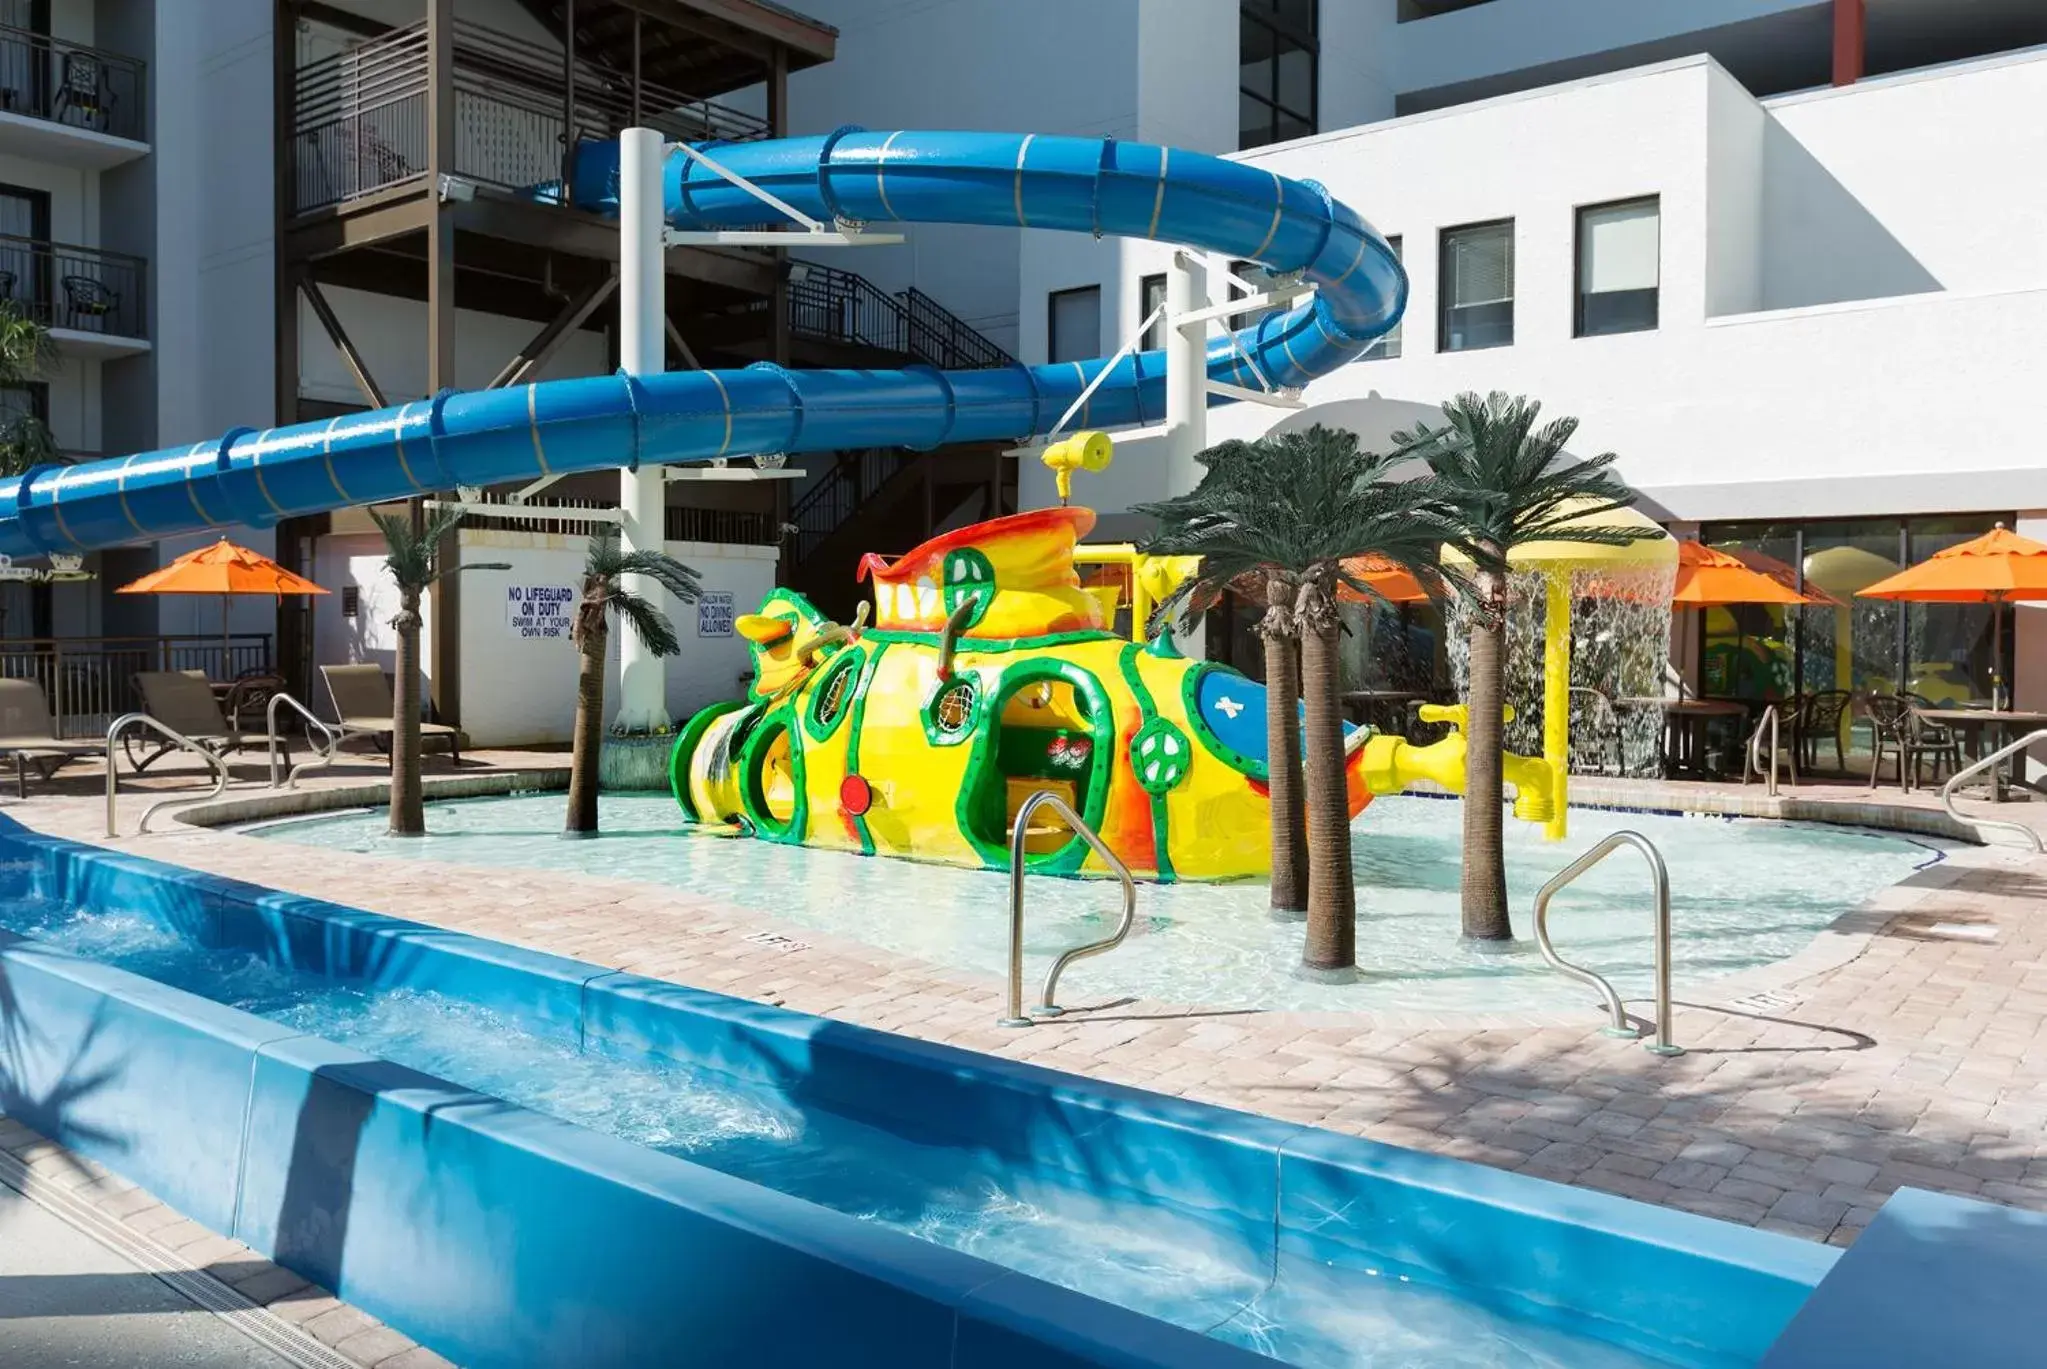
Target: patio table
column 1686, row 723
column 1988, row 729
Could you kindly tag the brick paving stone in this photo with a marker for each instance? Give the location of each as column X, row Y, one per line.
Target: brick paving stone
column 1694, row 1174
column 1835, row 1169
column 374, row 1346
column 340, row 1323
column 1812, row 1210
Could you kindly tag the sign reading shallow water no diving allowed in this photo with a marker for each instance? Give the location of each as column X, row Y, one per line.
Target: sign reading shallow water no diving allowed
column 540, row 611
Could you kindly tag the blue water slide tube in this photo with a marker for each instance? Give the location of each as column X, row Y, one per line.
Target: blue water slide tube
column 1081, row 185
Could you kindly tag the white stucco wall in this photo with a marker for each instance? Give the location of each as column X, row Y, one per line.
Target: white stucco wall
column 519, row 690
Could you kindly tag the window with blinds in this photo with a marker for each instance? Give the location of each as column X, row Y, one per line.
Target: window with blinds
column 1388, row 345
column 1476, row 278
column 1074, row 331
column 1618, row 270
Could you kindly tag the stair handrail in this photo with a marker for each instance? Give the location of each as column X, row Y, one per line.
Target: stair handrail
column 323, row 756
column 176, row 738
column 1977, row 767
column 1659, row 875
column 1018, row 860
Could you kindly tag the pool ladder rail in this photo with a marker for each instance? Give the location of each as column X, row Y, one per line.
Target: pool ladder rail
column 176, row 738
column 323, row 756
column 1619, row 1023
column 1977, row 767
column 1769, row 722
column 1013, row 1014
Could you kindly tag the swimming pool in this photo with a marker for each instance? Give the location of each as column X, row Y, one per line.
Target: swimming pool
column 1744, row 893
column 1163, row 1263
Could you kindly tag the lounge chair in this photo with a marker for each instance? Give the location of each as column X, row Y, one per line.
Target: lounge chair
column 362, row 704
column 27, row 734
column 184, row 701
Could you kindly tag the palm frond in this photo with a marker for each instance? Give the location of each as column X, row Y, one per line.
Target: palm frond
column 648, row 623
column 665, row 571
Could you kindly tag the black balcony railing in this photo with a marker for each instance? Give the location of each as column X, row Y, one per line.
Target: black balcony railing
column 829, row 304
column 82, row 288
column 744, row 527
column 71, row 84
column 90, row 681
column 359, row 118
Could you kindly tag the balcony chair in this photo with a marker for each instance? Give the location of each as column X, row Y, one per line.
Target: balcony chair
column 83, row 89
column 27, row 734
column 184, row 701
column 361, row 695
column 88, row 298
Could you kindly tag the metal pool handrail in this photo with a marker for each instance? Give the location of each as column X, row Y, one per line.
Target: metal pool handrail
column 1755, row 763
column 176, row 738
column 322, row 756
column 1975, row 768
column 1660, row 877
column 1045, row 798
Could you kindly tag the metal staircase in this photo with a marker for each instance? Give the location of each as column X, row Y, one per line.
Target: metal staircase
column 828, row 304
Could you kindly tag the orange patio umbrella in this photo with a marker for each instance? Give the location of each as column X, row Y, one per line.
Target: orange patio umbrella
column 1708, row 578
column 1999, row 567
column 224, row 569
column 1393, row 583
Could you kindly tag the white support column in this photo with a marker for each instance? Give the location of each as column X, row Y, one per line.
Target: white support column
column 642, row 494
column 1186, row 368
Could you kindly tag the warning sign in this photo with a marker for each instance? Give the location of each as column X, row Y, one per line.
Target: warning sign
column 540, row 611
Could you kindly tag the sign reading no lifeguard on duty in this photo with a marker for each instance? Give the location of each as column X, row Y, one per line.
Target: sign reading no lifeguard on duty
column 540, row 611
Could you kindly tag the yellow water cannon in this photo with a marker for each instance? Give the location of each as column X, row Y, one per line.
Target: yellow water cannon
column 1392, row 763
column 1088, row 451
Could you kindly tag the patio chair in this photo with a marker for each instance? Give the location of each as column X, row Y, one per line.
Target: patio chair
column 27, row 734
column 1932, row 741
column 361, row 695
column 1820, row 717
column 184, row 701
column 1891, row 730
column 86, row 298
column 82, row 89
column 1596, row 719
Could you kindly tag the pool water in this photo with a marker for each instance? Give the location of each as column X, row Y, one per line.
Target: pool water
column 1743, row 893
column 1122, row 1250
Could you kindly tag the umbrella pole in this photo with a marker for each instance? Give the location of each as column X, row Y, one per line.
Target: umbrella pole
column 1996, row 653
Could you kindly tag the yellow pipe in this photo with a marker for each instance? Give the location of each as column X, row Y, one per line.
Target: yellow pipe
column 1392, row 763
column 1556, row 697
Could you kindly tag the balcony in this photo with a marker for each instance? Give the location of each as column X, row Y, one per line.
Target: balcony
column 359, row 119
column 92, row 301
column 70, row 104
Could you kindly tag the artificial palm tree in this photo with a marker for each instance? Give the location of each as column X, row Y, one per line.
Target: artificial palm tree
column 413, row 557
column 1286, row 511
column 26, row 354
column 605, row 567
column 1505, row 482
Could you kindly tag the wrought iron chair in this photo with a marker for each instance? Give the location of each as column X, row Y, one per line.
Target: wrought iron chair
column 88, row 298
column 1819, row 717
column 83, row 89
column 1932, row 741
column 1601, row 728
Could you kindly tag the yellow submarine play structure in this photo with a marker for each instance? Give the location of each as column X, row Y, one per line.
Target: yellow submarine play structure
column 988, row 672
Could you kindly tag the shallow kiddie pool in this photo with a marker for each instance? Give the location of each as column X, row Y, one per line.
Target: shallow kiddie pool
column 1744, row 893
column 522, row 1159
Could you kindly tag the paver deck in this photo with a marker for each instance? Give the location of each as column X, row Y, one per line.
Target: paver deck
column 1908, row 1046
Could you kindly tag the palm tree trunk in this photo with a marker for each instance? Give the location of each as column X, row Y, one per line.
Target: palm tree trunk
column 589, row 735
column 408, row 812
column 1484, row 890
column 1283, row 766
column 1330, row 951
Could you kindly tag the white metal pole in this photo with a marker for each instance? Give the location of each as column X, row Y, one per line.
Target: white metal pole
column 642, row 350
column 1186, row 389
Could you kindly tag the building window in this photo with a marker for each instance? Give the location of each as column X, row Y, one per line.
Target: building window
column 1276, row 76
column 1075, row 325
column 1251, row 273
column 1410, row 10
column 1617, row 267
column 1151, row 293
column 1388, row 345
column 1476, row 277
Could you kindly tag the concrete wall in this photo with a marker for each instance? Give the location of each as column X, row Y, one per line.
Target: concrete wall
column 519, row 690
